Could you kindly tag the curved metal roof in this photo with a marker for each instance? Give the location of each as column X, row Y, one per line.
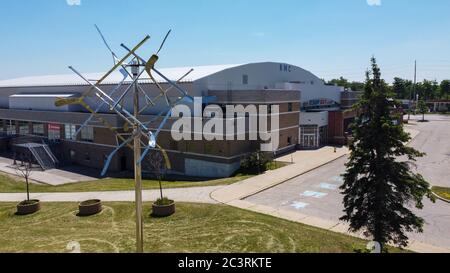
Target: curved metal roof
column 72, row 79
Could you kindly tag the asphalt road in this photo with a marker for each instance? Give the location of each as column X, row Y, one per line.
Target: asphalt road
column 317, row 192
column 434, row 140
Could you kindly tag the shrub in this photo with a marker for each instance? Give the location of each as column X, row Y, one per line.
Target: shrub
column 258, row 162
column 164, row 201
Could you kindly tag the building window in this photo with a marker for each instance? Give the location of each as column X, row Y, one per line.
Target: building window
column 11, row 128
column 38, row 129
column 87, row 134
column 245, row 79
column 24, row 128
column 54, row 131
column 2, row 127
column 290, row 107
column 70, row 130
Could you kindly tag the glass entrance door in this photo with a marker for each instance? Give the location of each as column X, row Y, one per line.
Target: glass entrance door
column 309, row 136
column 309, row 141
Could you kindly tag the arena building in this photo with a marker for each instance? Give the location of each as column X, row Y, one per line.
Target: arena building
column 312, row 114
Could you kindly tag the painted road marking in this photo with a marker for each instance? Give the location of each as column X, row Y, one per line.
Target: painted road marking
column 314, row 194
column 299, row 205
column 338, row 179
column 328, row 186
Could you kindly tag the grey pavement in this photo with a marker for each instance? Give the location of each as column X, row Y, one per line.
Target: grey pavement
column 316, row 193
column 434, row 140
column 197, row 195
column 52, row 177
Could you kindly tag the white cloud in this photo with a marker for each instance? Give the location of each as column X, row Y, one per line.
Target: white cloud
column 73, row 2
column 374, row 2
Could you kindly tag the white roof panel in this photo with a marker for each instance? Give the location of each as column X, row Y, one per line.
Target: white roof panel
column 42, row 96
column 72, row 79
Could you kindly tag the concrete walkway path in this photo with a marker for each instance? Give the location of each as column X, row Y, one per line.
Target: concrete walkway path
column 195, row 195
column 52, row 177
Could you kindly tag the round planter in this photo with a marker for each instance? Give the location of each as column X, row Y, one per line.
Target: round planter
column 90, row 207
column 163, row 211
column 28, row 207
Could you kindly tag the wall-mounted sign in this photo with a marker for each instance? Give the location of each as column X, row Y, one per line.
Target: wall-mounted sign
column 319, row 103
column 54, row 127
column 54, row 131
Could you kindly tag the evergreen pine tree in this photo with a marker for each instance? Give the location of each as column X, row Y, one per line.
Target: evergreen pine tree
column 378, row 184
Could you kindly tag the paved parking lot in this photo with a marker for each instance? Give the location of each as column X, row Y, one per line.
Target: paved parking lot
column 317, row 192
column 434, row 140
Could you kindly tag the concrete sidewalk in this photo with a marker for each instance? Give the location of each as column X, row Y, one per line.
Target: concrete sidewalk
column 194, row 195
column 52, row 177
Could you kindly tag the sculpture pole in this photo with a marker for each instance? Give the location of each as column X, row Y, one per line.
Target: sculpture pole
column 137, row 167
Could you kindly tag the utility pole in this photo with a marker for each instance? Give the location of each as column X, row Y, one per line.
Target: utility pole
column 135, row 69
column 415, row 85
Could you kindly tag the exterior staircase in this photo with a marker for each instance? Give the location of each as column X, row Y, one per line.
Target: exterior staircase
column 43, row 156
column 41, row 151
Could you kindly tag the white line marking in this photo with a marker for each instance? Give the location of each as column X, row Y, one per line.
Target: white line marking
column 299, row 205
column 328, row 186
column 314, row 194
column 338, row 179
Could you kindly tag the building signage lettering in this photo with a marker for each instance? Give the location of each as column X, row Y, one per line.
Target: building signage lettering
column 285, row 68
column 319, row 102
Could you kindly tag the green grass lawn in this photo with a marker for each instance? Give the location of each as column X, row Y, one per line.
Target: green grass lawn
column 12, row 185
column 442, row 192
column 194, row 228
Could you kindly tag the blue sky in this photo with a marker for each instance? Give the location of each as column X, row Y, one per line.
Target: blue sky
column 328, row 37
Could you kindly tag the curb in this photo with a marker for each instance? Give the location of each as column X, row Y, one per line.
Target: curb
column 317, row 167
column 411, row 247
column 275, row 184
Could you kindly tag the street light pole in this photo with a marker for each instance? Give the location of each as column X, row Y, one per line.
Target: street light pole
column 137, row 167
column 415, row 84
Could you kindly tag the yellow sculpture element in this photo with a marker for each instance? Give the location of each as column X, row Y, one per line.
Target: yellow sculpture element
column 62, row 102
column 59, row 102
column 148, row 68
